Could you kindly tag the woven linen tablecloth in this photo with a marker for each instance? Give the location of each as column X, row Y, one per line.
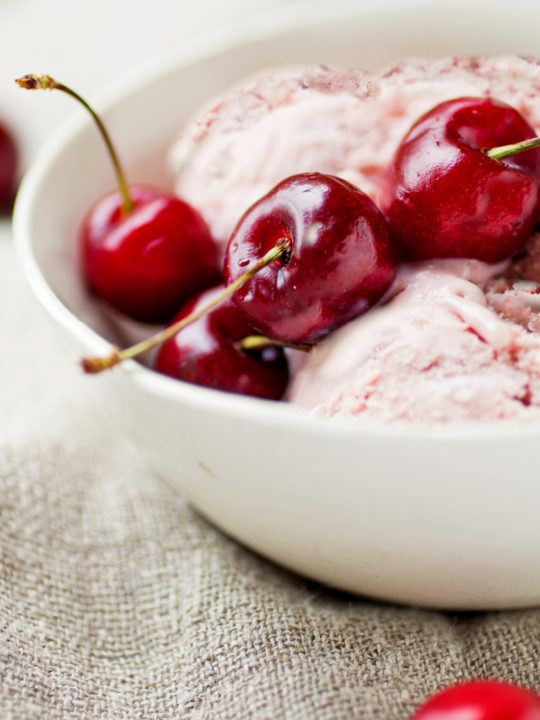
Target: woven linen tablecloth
column 117, row 601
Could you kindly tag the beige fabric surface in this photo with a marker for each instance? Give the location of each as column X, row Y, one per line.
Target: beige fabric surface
column 117, row 601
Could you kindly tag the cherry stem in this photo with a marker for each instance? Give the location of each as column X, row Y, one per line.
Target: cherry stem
column 93, row 365
column 46, row 82
column 259, row 342
column 498, row 153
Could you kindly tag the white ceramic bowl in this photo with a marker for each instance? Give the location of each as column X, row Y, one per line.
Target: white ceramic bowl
column 444, row 517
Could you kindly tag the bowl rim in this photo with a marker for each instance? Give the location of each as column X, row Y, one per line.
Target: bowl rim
column 270, row 413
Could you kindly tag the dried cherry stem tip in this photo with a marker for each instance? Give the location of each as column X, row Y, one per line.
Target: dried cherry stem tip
column 46, row 82
column 93, row 365
column 498, row 153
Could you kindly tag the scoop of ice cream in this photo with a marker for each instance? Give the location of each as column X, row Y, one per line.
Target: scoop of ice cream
column 275, row 124
column 346, row 123
column 452, row 340
column 436, row 352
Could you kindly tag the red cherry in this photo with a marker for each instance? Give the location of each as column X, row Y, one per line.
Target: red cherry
column 8, row 169
column 341, row 259
column 481, row 700
column 207, row 352
column 144, row 251
column 148, row 261
column 445, row 197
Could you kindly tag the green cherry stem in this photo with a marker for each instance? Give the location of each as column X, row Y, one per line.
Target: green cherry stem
column 498, row 153
column 259, row 342
column 46, row 82
column 93, row 365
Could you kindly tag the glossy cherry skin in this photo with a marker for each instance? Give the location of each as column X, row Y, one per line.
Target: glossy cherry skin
column 146, row 263
column 8, row 169
column 341, row 262
column 444, row 197
column 481, row 700
column 207, row 353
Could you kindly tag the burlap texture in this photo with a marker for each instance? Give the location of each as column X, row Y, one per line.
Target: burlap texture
column 117, row 601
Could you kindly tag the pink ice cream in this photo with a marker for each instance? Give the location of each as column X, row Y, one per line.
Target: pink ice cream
column 452, row 340
column 342, row 122
column 438, row 351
